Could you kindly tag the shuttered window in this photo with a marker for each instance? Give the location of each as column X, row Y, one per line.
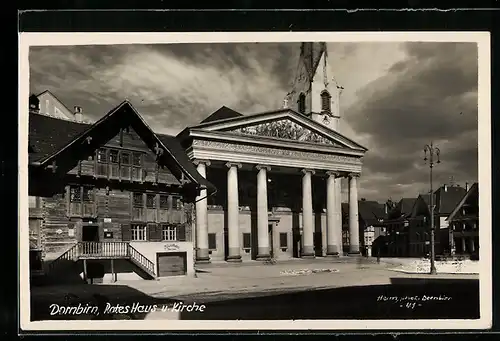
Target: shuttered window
column 154, row 232
column 126, row 232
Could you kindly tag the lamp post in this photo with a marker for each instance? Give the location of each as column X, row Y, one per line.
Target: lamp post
column 433, row 153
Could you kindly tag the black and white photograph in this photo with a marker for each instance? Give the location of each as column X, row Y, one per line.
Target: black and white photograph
column 265, row 181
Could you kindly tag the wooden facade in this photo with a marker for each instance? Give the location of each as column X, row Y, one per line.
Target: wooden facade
column 111, row 183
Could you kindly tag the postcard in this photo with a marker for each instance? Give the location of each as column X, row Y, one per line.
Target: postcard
column 230, row 181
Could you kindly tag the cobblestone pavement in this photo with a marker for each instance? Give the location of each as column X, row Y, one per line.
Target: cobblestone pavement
column 220, row 280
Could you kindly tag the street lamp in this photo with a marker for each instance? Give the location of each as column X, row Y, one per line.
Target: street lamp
column 433, row 153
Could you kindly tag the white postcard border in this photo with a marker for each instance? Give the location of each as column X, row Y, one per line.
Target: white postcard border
column 484, row 141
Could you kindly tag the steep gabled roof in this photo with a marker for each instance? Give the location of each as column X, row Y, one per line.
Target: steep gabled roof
column 447, row 198
column 403, row 208
column 50, row 137
column 221, row 114
column 48, row 134
column 174, row 146
column 406, row 205
column 474, row 190
column 369, row 211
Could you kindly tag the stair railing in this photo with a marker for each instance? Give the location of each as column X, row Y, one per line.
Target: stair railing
column 70, row 255
column 141, row 260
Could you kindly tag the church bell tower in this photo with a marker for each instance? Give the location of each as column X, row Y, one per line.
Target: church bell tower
column 315, row 93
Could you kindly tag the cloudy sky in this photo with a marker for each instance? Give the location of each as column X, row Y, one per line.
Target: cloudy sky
column 397, row 97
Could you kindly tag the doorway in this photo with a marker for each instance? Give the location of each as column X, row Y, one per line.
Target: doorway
column 90, row 233
column 90, row 239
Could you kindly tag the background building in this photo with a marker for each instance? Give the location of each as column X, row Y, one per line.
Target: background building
column 463, row 225
column 408, row 223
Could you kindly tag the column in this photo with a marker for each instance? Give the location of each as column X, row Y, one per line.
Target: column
column 307, row 215
column 332, row 224
column 464, row 247
column 338, row 214
column 262, row 213
column 202, row 255
column 353, row 215
column 233, row 212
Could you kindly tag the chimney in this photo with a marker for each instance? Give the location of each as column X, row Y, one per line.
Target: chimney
column 34, row 105
column 467, row 186
column 78, row 114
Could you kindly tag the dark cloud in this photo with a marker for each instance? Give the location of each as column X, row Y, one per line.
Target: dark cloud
column 430, row 95
column 282, row 58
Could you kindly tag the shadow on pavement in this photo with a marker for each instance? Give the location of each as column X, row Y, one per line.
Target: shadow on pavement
column 405, row 298
column 94, row 302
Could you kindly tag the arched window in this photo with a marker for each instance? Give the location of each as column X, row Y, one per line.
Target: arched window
column 302, row 103
column 325, row 101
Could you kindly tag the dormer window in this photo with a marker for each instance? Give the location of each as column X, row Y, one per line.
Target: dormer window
column 325, row 101
column 302, row 103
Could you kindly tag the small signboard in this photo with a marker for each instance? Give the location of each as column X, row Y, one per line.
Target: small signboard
column 71, row 232
column 427, row 242
column 108, row 235
column 171, row 247
column 107, row 220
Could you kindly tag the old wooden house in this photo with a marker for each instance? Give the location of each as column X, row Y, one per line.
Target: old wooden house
column 111, row 198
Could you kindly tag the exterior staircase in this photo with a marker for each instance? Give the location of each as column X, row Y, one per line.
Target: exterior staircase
column 101, row 251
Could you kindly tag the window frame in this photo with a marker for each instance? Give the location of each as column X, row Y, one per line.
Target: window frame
column 105, row 160
column 166, row 229
column 214, row 235
column 326, row 98
column 249, row 247
column 154, row 205
column 285, row 247
column 139, row 229
column 82, row 201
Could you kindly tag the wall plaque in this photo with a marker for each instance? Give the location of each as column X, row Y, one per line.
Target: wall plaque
column 171, row 247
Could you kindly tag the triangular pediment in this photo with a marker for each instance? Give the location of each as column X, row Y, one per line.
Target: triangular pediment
column 285, row 125
column 285, row 129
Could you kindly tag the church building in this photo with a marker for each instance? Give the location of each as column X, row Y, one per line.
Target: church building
column 278, row 174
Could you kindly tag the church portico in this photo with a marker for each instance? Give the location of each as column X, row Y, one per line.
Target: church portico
column 277, row 197
column 279, row 175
